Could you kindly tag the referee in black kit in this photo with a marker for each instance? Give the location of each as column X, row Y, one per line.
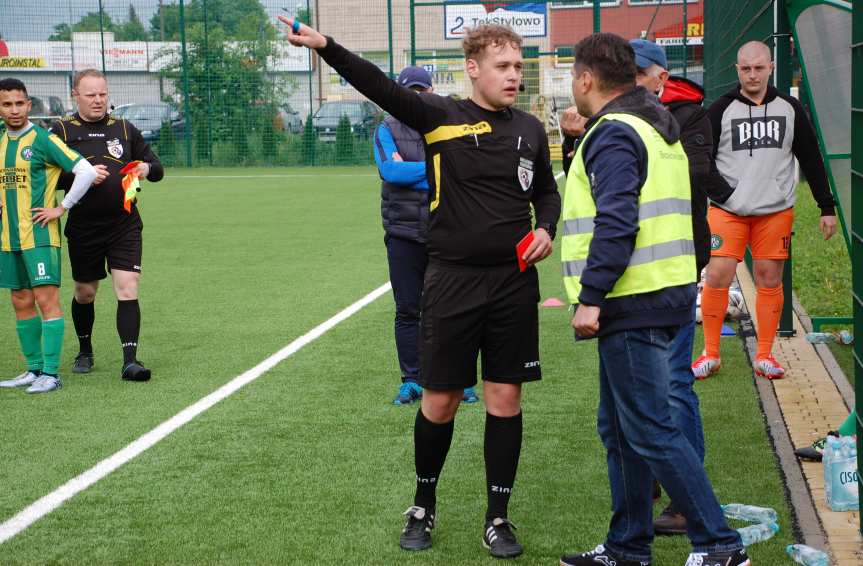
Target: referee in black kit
column 100, row 230
column 487, row 164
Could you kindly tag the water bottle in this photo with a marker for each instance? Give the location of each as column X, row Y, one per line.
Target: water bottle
column 841, row 479
column 756, row 533
column 820, row 337
column 750, row 513
column 807, row 555
column 843, row 337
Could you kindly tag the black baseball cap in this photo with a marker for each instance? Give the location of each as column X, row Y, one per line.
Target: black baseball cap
column 415, row 76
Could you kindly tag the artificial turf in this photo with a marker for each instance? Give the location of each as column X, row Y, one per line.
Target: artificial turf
column 311, row 463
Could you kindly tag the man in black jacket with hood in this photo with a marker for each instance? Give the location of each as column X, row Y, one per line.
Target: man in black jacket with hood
column 683, row 98
column 629, row 266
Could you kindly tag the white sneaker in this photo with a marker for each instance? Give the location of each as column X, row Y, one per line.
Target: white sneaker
column 768, row 367
column 704, row 367
column 26, row 378
column 44, row 384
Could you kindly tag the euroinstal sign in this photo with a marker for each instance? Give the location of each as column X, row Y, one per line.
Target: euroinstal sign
column 528, row 19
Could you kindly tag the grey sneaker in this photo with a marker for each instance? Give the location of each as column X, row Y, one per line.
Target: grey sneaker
column 44, row 384
column 83, row 363
column 417, row 532
column 26, row 378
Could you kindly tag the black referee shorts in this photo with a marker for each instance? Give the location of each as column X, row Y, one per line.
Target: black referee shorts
column 120, row 249
column 469, row 311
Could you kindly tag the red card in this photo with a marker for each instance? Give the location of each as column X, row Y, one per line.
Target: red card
column 520, row 248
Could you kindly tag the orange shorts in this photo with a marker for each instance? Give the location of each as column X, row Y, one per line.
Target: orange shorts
column 768, row 236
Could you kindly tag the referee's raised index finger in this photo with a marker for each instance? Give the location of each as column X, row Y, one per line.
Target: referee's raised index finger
column 291, row 23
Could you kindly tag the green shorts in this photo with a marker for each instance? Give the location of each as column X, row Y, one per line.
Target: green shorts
column 26, row 269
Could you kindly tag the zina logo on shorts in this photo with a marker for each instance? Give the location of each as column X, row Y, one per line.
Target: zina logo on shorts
column 715, row 242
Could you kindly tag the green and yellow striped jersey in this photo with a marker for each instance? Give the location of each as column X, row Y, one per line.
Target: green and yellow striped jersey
column 32, row 163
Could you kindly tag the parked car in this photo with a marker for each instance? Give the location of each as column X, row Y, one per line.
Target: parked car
column 46, row 109
column 150, row 118
column 363, row 115
column 118, row 111
column 289, row 120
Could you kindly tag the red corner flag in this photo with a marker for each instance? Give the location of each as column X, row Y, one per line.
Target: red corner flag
column 130, row 184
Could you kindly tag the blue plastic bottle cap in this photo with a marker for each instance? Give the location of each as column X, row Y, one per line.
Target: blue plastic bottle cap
column 295, row 27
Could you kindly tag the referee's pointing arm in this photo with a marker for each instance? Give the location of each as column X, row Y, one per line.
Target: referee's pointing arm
column 418, row 112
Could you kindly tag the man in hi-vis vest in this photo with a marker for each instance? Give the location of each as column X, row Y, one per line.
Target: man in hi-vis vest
column 629, row 265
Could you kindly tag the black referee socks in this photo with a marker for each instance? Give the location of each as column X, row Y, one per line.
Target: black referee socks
column 502, row 449
column 431, row 445
column 128, row 327
column 83, row 316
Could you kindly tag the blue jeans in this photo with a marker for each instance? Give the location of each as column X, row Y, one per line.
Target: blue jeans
column 642, row 442
column 407, row 261
column 684, row 401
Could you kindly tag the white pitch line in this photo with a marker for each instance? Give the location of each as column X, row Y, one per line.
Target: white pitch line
column 76, row 485
column 56, row 498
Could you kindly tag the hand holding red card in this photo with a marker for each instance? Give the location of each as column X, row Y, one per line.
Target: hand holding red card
column 521, row 249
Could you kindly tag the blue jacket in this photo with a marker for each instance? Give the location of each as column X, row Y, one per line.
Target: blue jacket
column 404, row 191
column 616, row 162
column 409, row 174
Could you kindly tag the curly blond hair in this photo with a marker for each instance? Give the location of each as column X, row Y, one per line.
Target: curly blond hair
column 488, row 35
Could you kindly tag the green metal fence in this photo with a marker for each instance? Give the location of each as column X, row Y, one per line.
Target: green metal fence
column 213, row 83
column 821, row 37
column 728, row 25
column 857, row 212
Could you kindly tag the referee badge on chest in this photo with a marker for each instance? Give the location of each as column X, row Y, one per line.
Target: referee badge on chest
column 115, row 148
column 525, row 173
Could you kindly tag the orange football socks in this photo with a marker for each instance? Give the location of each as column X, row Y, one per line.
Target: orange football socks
column 714, row 303
column 768, row 309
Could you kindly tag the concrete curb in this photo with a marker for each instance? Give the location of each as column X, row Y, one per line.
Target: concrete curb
column 807, row 526
column 836, row 374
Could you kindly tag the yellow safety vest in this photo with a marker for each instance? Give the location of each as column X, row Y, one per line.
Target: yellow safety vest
column 664, row 254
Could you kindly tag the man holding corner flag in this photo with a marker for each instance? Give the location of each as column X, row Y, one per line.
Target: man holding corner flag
column 105, row 228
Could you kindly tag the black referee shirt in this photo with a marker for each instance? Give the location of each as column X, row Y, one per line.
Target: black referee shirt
column 485, row 168
column 112, row 143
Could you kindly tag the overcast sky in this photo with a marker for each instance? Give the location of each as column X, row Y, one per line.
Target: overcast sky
column 34, row 20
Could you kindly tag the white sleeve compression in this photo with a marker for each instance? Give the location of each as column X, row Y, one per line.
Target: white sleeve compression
column 85, row 174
